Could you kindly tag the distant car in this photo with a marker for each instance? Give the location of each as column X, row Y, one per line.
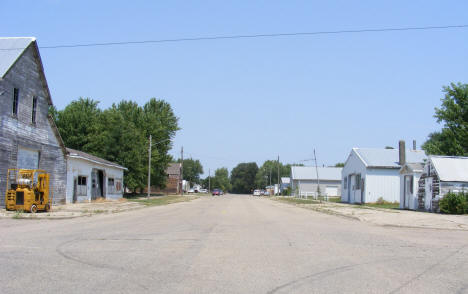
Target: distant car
column 216, row 192
column 256, row 193
column 221, row 192
column 191, row 191
column 267, row 193
column 203, row 191
column 262, row 192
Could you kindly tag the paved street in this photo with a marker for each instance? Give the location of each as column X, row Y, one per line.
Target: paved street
column 228, row 244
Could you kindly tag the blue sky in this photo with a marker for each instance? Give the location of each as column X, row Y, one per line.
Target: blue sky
column 253, row 99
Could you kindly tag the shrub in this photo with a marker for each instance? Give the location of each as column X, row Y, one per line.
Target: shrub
column 454, row 203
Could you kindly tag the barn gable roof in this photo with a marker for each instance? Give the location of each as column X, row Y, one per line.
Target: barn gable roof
column 12, row 48
column 387, row 158
column 451, row 168
column 173, row 169
column 310, row 173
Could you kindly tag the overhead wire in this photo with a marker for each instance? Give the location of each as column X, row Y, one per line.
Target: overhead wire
column 271, row 35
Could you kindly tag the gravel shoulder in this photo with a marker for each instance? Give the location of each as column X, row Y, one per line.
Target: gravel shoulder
column 75, row 210
column 386, row 217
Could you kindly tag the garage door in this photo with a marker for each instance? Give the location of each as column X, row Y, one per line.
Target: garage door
column 27, row 158
column 331, row 190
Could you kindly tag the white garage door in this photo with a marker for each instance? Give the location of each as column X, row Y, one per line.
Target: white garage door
column 27, row 158
column 331, row 191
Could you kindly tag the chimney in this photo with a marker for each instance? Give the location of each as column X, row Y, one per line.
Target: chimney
column 414, row 144
column 402, row 152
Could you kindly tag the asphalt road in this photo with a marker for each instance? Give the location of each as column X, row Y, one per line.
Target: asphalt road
column 228, row 244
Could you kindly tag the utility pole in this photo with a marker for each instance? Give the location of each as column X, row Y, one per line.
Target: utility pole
column 318, row 179
column 149, row 167
column 278, row 176
column 209, row 181
column 182, row 169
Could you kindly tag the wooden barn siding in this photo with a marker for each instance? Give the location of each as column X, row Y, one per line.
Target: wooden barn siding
column 19, row 131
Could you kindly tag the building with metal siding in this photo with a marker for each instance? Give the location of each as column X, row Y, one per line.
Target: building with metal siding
column 370, row 174
column 305, row 182
column 28, row 136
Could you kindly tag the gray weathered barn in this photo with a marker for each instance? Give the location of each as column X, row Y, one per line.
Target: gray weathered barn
column 28, row 135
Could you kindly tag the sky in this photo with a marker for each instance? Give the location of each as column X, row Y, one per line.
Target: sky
column 243, row 100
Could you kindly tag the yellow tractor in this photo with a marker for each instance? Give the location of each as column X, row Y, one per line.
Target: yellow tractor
column 27, row 190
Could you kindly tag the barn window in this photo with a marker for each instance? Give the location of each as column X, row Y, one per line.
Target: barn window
column 34, row 108
column 15, row 101
column 110, row 185
column 345, row 182
column 82, row 187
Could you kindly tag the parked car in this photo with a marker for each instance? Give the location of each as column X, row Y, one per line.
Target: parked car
column 203, row 191
column 256, row 193
column 191, row 191
column 267, row 193
column 216, row 192
column 262, row 192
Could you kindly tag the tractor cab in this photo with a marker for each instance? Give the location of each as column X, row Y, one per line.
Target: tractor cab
column 27, row 190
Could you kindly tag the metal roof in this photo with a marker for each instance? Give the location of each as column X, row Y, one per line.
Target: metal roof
column 387, row 158
column 88, row 157
column 286, row 180
column 10, row 50
column 451, row 168
column 309, row 173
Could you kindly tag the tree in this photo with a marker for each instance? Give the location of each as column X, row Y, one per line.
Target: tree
column 268, row 170
column 221, row 180
column 453, row 114
column 77, row 123
column 243, row 177
column 339, row 164
column 121, row 134
column 192, row 170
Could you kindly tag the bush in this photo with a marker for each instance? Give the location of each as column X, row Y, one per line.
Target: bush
column 454, row 203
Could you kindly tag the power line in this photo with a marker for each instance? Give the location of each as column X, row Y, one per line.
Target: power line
column 273, row 35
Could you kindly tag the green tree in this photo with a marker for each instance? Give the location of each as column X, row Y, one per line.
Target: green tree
column 77, row 123
column 268, row 170
column 453, row 114
column 192, row 170
column 243, row 177
column 221, row 180
column 339, row 164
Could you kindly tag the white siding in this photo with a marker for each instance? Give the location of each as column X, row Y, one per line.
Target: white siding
column 412, row 199
column 353, row 166
column 79, row 167
column 383, row 183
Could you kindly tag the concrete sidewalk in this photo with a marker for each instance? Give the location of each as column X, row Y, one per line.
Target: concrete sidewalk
column 390, row 217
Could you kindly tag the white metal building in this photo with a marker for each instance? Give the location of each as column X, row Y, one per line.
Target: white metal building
column 371, row 173
column 410, row 174
column 442, row 174
column 304, row 180
column 90, row 177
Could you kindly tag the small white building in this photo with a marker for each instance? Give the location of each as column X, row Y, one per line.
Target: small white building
column 90, row 177
column 410, row 173
column 304, row 181
column 370, row 174
column 442, row 174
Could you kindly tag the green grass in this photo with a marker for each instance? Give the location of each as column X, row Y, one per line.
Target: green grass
column 162, row 200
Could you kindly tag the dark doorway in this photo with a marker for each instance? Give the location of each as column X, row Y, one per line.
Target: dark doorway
column 97, row 184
